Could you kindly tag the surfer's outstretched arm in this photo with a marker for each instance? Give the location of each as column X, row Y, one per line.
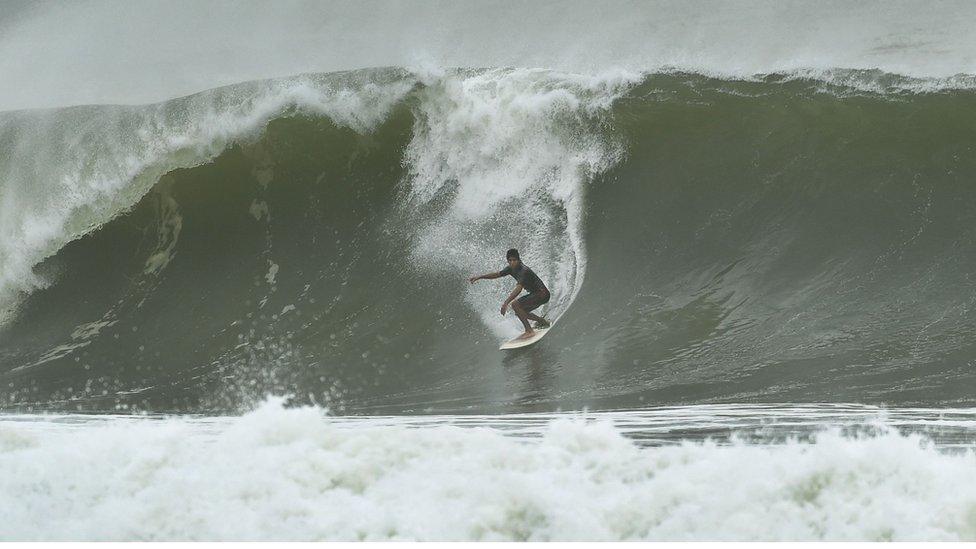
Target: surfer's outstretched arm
column 488, row 276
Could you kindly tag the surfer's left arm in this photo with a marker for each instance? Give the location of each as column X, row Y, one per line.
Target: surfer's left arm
column 511, row 296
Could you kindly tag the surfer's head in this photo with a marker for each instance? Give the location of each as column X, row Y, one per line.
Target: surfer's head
column 513, row 258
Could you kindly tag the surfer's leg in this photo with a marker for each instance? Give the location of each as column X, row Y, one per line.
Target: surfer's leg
column 534, row 301
column 522, row 315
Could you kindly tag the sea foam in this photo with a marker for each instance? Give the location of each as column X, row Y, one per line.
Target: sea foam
column 296, row 474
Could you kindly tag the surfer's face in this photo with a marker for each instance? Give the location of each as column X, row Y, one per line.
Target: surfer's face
column 512, row 262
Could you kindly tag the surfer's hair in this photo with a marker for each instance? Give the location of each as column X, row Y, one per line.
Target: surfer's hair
column 512, row 253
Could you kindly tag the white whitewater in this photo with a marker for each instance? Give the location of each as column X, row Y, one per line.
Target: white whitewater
column 296, row 474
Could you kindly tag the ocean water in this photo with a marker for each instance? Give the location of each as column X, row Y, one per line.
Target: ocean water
column 234, row 252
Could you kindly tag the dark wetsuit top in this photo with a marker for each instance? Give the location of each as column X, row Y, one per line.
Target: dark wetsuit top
column 526, row 277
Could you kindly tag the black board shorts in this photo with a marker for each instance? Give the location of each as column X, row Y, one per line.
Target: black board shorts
column 533, row 300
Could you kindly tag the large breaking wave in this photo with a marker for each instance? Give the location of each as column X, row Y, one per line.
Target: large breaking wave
column 771, row 239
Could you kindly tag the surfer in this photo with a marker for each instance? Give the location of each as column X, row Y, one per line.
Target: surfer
column 527, row 280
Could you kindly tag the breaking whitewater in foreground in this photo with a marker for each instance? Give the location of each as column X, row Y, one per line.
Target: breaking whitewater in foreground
column 764, row 473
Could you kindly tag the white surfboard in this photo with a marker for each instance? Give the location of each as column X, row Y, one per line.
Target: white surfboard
column 519, row 342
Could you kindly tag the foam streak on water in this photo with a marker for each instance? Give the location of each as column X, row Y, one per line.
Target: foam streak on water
column 281, row 473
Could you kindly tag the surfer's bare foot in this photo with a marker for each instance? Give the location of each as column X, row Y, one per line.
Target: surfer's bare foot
column 527, row 334
column 543, row 323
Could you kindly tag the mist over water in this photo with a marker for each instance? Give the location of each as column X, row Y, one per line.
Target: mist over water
column 62, row 54
column 756, row 220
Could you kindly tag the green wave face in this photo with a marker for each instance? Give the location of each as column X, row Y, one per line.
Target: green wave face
column 706, row 241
